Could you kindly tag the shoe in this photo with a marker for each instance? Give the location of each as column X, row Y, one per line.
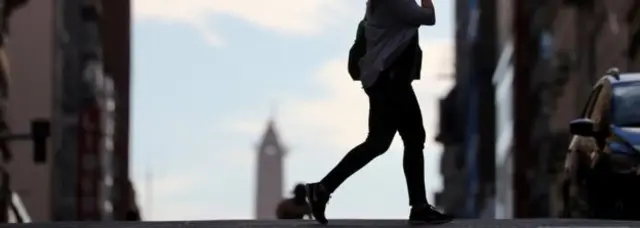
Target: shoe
column 317, row 197
column 427, row 214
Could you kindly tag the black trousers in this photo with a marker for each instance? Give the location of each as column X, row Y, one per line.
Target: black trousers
column 393, row 107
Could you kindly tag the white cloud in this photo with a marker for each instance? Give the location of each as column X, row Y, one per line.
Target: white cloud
column 308, row 17
column 339, row 118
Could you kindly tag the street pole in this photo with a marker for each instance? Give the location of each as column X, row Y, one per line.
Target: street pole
column 522, row 124
column 5, row 196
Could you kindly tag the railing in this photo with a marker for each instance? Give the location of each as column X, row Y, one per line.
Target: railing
column 12, row 208
column 471, row 131
column 18, row 211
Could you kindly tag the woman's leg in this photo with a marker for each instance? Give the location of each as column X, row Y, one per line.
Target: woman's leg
column 382, row 129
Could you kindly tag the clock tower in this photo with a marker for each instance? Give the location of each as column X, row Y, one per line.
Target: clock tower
column 269, row 174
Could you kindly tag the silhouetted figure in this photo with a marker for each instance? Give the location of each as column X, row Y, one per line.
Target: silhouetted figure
column 386, row 71
column 296, row 207
column 132, row 215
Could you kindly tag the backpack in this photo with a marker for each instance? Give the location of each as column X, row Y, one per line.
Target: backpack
column 359, row 49
column 417, row 59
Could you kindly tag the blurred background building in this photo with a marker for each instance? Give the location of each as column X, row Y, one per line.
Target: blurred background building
column 574, row 42
column 269, row 173
column 70, row 65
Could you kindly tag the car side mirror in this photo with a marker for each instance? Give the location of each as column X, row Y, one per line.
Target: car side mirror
column 582, row 127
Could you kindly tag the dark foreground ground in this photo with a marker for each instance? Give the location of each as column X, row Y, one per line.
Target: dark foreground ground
column 520, row 223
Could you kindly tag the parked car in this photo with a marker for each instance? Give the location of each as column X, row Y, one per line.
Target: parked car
column 603, row 162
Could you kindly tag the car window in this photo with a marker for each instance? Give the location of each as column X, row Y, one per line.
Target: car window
column 588, row 108
column 626, row 105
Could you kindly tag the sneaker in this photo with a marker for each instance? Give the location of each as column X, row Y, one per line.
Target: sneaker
column 317, row 197
column 428, row 215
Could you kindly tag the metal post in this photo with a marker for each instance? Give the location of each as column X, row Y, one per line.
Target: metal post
column 522, row 124
column 471, row 138
column 5, row 196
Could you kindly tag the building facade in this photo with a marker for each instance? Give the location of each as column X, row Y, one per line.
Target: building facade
column 575, row 42
column 467, row 115
column 31, row 50
column 62, row 74
column 115, row 30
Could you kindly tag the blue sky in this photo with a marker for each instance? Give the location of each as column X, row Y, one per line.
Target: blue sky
column 208, row 74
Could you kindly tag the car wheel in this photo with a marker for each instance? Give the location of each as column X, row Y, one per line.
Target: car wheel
column 566, row 199
column 630, row 200
column 602, row 201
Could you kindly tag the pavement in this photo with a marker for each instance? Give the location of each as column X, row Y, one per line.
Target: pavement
column 518, row 223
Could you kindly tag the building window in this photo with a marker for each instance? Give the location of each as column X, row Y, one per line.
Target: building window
column 108, row 180
column 89, row 162
column 107, row 207
column 108, row 143
column 87, row 186
column 271, row 150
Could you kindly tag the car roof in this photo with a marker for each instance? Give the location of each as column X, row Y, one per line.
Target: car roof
column 613, row 77
column 626, row 77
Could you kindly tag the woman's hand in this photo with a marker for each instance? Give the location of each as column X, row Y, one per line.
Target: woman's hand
column 427, row 4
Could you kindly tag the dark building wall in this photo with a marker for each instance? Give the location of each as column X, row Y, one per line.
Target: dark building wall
column 116, row 32
column 51, row 85
column 485, row 54
column 79, row 171
column 470, row 103
column 451, row 133
column 31, row 53
column 68, row 175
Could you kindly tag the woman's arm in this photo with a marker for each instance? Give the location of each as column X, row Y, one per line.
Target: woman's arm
column 428, row 4
column 410, row 13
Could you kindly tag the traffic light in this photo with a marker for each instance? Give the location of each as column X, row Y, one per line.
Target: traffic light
column 40, row 131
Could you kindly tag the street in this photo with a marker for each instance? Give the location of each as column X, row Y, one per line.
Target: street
column 519, row 223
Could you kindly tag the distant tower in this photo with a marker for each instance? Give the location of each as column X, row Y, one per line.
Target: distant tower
column 269, row 174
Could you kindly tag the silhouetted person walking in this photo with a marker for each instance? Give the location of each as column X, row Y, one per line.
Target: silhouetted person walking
column 296, row 207
column 386, row 71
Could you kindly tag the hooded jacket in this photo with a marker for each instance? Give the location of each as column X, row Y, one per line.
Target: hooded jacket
column 391, row 26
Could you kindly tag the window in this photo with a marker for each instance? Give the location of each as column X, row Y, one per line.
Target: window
column 108, row 143
column 271, row 150
column 626, row 105
column 107, row 207
column 108, row 180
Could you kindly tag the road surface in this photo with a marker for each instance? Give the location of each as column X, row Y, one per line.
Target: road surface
column 520, row 223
